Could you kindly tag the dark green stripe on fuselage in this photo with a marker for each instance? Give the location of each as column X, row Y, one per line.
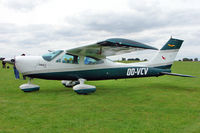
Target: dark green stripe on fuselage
column 102, row 74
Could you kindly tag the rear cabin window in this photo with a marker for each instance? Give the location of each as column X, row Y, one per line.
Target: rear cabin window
column 92, row 61
column 67, row 58
column 51, row 55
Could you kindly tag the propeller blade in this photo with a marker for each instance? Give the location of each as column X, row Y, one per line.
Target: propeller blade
column 2, row 58
column 9, row 60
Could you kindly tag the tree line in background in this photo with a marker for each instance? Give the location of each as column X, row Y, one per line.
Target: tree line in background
column 133, row 59
column 137, row 59
column 189, row 59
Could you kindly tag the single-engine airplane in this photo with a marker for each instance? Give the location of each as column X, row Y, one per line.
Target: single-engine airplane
column 74, row 66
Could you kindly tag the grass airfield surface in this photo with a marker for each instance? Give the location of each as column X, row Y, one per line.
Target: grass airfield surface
column 166, row 104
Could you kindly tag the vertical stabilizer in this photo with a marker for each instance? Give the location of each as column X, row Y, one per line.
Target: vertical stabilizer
column 167, row 54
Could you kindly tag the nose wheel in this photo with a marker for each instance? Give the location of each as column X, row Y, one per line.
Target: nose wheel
column 29, row 87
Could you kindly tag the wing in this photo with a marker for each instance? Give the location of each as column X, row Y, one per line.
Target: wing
column 110, row 47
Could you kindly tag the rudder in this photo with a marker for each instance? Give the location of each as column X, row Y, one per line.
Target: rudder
column 167, row 54
column 172, row 44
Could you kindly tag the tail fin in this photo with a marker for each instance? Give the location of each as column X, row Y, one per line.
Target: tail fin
column 167, row 54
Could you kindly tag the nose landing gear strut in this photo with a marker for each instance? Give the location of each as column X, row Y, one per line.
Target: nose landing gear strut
column 29, row 87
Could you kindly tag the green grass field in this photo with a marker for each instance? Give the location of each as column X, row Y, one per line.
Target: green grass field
column 165, row 104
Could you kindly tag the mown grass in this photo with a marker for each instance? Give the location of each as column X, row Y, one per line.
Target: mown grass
column 144, row 105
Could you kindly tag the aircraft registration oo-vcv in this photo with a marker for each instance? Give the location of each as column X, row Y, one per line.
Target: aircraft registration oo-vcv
column 74, row 66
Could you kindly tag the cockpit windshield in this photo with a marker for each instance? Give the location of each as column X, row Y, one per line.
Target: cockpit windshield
column 50, row 56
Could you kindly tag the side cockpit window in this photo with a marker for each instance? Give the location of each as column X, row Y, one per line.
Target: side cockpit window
column 67, row 58
column 92, row 61
column 51, row 55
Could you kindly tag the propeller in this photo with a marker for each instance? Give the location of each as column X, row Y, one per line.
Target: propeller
column 9, row 60
column 12, row 61
column 2, row 58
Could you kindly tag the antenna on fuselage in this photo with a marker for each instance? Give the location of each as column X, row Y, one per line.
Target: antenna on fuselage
column 51, row 50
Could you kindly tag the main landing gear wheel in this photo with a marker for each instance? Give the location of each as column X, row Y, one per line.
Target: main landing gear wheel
column 84, row 88
column 29, row 87
column 69, row 83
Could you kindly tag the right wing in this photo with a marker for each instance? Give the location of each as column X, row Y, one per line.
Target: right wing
column 109, row 47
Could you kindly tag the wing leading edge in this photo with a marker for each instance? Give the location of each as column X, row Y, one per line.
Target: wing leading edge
column 109, row 47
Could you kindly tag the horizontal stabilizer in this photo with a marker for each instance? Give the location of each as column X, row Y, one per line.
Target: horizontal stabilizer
column 175, row 74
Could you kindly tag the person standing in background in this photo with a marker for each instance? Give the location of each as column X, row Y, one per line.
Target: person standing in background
column 3, row 64
column 16, row 72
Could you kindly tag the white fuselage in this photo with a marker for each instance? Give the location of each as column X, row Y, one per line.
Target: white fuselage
column 58, row 66
column 36, row 64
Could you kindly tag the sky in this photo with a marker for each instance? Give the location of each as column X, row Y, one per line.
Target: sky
column 35, row 26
